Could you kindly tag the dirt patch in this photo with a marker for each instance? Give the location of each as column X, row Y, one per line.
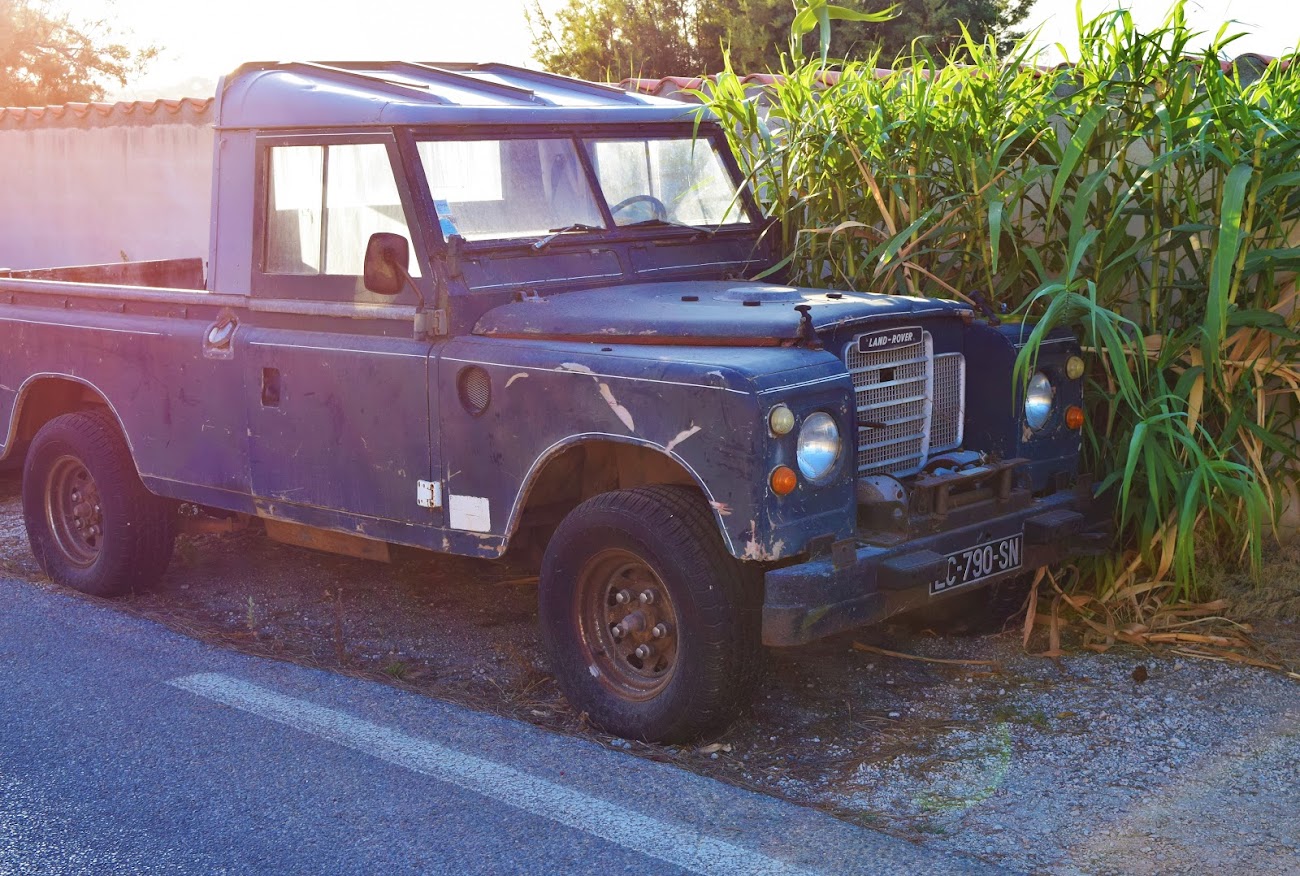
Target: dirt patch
column 1058, row 766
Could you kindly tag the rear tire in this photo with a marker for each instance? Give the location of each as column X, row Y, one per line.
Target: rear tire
column 91, row 524
column 699, row 626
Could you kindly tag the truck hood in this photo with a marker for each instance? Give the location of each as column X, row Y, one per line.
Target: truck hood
column 696, row 312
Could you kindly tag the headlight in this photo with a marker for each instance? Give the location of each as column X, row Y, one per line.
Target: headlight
column 1038, row 401
column 819, row 446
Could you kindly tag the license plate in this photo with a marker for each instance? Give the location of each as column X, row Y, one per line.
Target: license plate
column 982, row 561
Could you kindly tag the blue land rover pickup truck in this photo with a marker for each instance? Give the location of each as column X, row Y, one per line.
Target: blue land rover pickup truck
column 469, row 308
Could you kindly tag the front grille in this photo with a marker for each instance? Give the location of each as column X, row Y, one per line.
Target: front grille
column 915, row 396
column 949, row 401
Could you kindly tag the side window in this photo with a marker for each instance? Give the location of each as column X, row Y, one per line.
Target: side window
column 324, row 202
column 293, row 211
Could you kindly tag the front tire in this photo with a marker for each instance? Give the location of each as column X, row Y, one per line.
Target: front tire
column 653, row 629
column 91, row 524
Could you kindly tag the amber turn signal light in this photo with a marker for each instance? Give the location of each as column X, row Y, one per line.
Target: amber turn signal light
column 1074, row 417
column 783, row 480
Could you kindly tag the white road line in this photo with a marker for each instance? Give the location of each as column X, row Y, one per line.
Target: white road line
column 671, row 843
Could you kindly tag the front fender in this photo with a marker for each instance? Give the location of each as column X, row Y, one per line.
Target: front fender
column 704, row 408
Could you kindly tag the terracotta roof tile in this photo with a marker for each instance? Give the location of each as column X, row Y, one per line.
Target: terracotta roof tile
column 669, row 86
column 105, row 114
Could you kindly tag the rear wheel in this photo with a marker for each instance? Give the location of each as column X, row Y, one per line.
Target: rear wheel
column 92, row 525
column 652, row 627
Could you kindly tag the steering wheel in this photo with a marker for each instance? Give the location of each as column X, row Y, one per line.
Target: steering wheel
column 660, row 210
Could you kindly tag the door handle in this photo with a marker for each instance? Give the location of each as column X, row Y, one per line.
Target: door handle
column 219, row 339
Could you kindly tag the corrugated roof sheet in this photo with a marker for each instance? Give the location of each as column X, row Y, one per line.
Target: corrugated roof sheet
column 98, row 115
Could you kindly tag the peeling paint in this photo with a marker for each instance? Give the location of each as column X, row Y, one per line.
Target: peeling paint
column 721, row 507
column 619, row 411
column 754, row 550
column 576, row 368
column 515, row 376
column 681, row 436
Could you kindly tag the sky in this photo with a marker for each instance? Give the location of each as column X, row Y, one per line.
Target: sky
column 205, row 44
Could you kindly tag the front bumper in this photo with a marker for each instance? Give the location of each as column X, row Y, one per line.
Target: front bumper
column 868, row 583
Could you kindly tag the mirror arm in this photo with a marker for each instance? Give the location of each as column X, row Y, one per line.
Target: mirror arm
column 428, row 323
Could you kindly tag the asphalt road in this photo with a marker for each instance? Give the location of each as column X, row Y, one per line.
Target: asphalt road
column 126, row 748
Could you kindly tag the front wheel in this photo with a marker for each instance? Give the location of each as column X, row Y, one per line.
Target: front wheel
column 92, row 525
column 652, row 627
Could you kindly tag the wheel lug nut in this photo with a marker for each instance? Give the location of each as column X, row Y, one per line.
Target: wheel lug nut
column 647, row 597
column 623, row 597
column 80, row 525
column 659, row 631
column 644, row 652
column 618, row 632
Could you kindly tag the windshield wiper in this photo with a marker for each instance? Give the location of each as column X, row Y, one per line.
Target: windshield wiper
column 544, row 242
column 707, row 232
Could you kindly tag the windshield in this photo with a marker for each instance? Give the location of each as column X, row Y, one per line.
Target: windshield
column 507, row 188
column 679, row 180
column 503, row 189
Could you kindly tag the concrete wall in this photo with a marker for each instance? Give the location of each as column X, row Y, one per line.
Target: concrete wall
column 113, row 183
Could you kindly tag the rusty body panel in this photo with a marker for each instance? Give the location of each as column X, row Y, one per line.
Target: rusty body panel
column 324, row 540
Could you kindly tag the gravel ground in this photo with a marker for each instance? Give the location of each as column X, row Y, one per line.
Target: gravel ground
column 1056, row 766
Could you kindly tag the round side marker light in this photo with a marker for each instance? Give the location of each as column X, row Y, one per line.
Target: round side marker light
column 784, row 480
column 1074, row 368
column 781, row 420
column 1074, row 417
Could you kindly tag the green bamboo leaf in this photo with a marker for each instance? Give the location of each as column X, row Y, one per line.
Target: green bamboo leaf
column 1080, row 249
column 1075, row 150
column 1278, row 259
column 1282, row 180
column 1226, row 248
column 819, row 14
column 995, row 232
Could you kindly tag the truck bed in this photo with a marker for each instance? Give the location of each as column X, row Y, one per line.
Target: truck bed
column 159, row 274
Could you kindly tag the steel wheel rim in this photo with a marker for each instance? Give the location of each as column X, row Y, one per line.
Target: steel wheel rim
column 72, row 511
column 616, row 619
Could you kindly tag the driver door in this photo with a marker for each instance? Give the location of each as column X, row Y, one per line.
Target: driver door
column 337, row 388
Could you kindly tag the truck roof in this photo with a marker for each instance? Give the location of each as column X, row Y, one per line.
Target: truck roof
column 299, row 94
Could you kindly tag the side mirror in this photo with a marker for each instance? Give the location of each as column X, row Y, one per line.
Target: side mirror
column 388, row 258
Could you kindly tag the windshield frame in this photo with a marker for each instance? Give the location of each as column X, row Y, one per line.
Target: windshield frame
column 708, row 132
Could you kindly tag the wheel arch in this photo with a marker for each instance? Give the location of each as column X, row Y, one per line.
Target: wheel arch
column 584, row 465
column 42, row 397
